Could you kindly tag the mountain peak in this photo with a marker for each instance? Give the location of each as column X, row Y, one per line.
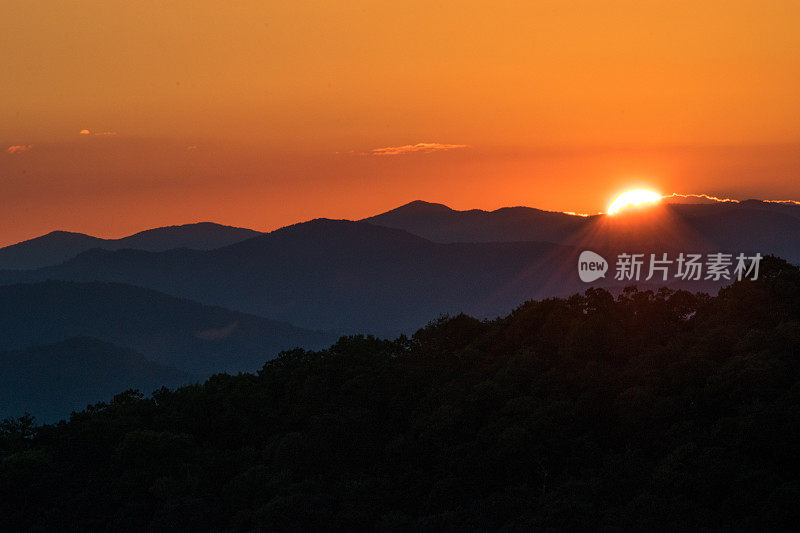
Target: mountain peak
column 59, row 246
column 193, row 226
column 65, row 233
column 326, row 233
column 439, row 223
column 423, row 206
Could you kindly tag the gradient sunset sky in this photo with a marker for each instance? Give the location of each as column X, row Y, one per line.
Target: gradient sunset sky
column 120, row 116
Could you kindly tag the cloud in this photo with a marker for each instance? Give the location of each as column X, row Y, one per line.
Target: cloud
column 425, row 148
column 16, row 148
column 98, row 134
column 695, row 199
column 216, row 334
column 785, row 202
column 676, row 198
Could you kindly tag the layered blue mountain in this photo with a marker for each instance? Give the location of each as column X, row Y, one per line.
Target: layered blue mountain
column 751, row 225
column 345, row 276
column 194, row 338
column 53, row 380
column 440, row 223
column 173, row 305
column 334, row 275
column 59, row 246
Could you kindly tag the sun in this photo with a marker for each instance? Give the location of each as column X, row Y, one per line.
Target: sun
column 632, row 197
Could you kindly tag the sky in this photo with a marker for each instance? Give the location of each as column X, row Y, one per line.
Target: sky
column 120, row 116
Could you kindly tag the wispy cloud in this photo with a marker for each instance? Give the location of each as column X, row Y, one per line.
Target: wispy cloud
column 786, row 202
column 16, row 148
column 706, row 199
column 98, row 133
column 425, row 148
column 696, row 198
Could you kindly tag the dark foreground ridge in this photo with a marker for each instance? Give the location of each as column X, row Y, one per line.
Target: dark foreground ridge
column 666, row 411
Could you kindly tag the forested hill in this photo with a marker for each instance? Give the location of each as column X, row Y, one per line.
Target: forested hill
column 667, row 411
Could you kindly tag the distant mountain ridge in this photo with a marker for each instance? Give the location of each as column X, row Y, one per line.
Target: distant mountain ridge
column 440, row 223
column 194, row 338
column 365, row 277
column 59, row 246
column 339, row 275
column 747, row 226
column 52, row 380
column 194, row 312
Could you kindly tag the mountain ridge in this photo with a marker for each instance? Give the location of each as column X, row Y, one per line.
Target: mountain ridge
column 60, row 245
column 181, row 333
column 750, row 225
column 51, row 380
column 360, row 276
column 342, row 276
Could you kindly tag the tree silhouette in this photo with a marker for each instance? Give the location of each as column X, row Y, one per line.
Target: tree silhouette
column 646, row 410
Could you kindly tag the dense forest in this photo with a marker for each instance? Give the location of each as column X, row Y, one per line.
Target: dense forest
column 642, row 411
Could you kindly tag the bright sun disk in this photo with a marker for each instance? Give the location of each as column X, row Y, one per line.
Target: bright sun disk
column 632, row 197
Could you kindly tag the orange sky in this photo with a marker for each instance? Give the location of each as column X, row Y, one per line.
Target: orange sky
column 554, row 104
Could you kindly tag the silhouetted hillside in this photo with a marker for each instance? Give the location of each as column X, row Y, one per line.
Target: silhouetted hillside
column 440, row 223
column 348, row 276
column 59, row 246
column 199, row 236
column 52, row 381
column 664, row 411
column 50, row 249
column 773, row 230
column 338, row 275
column 749, row 226
column 195, row 338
